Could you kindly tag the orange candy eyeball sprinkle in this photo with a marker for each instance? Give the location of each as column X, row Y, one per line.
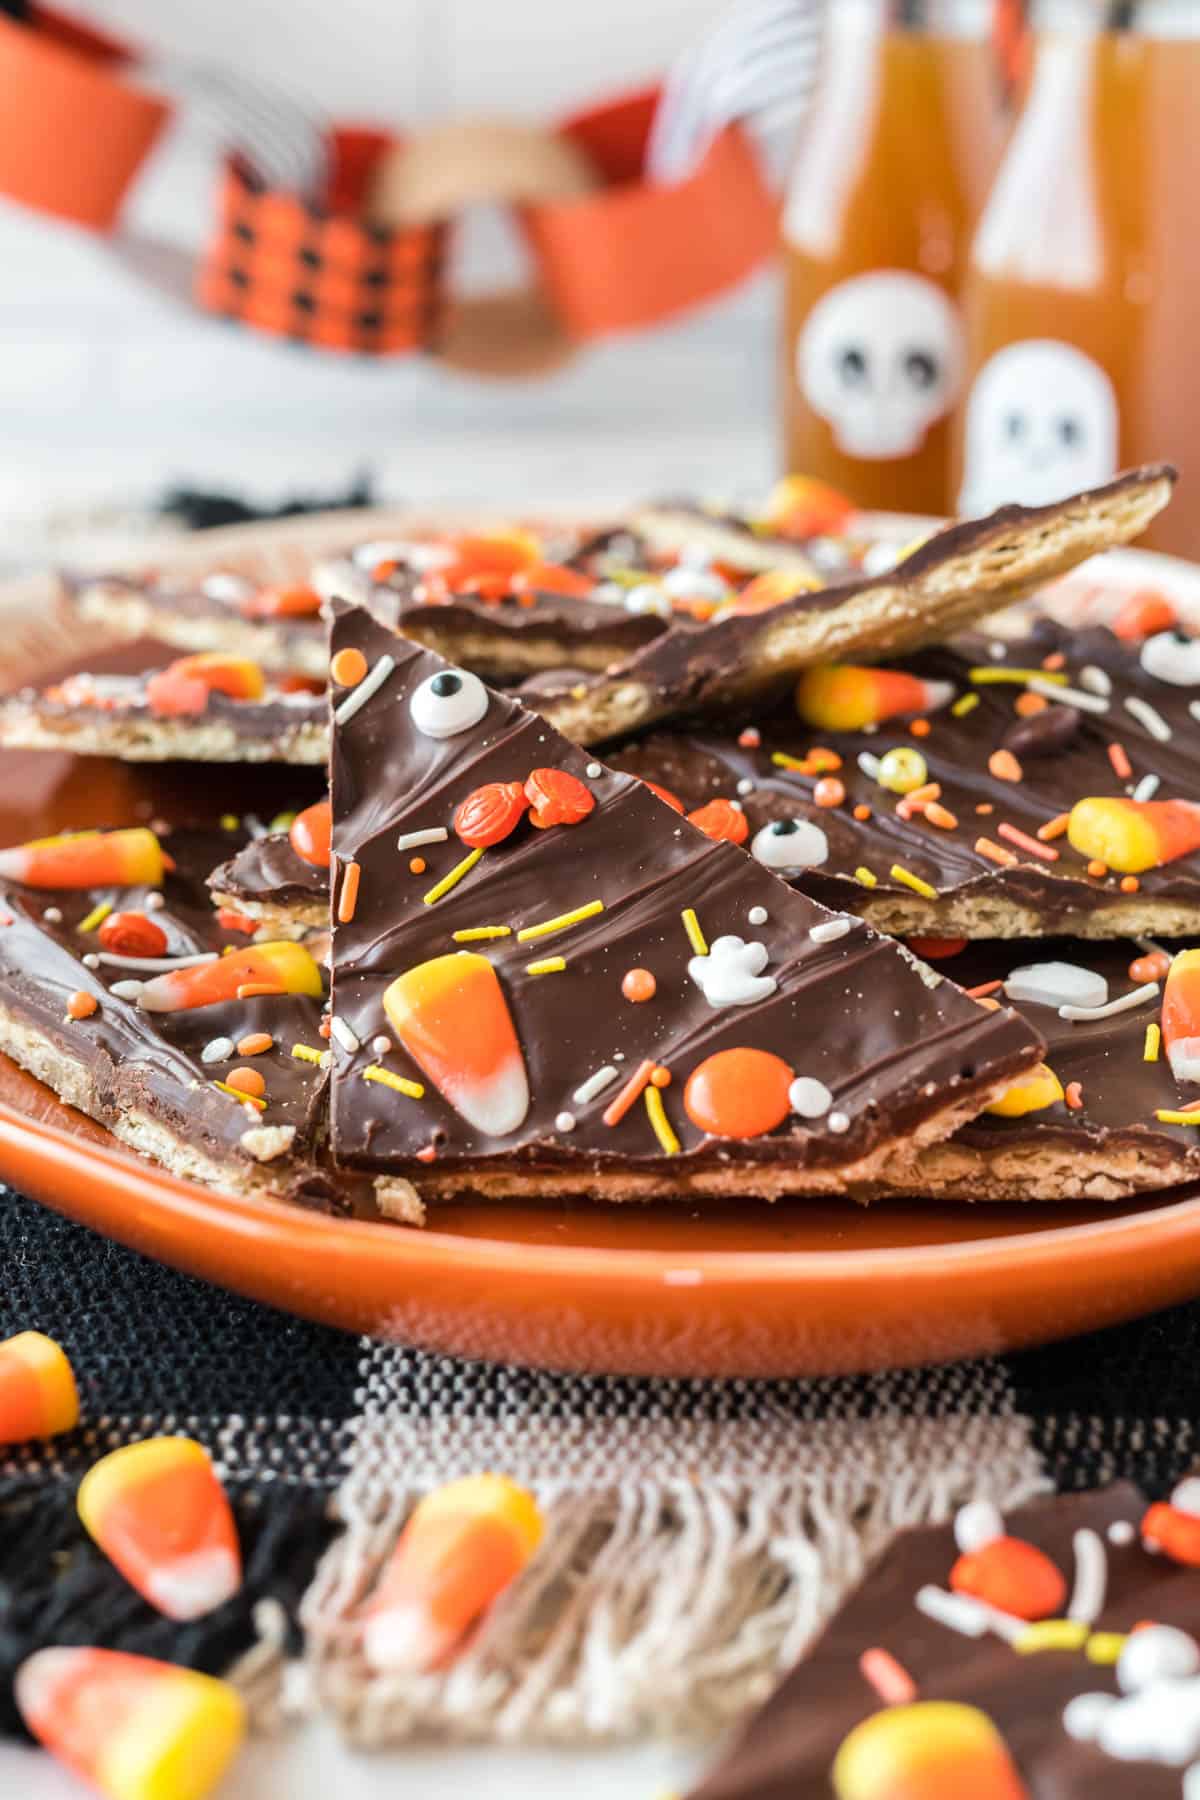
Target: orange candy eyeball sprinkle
column 739, row 1093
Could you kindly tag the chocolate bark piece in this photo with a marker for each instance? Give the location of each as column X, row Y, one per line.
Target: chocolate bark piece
column 1110, row 1143
column 269, row 882
column 113, row 715
column 976, row 893
column 210, row 613
column 787, row 1749
column 144, row 1074
column 957, row 576
column 843, row 1054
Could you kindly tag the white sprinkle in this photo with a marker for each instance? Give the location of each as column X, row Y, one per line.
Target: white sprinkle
column 1146, row 788
column 1095, row 681
column 366, row 690
column 997, row 651
column 52, row 916
column 618, row 1056
column 977, row 1523
column 1067, row 696
column 838, row 1122
column 1126, row 1003
column 595, row 1084
column 153, row 903
column 154, row 965
column 1121, row 1531
column 221, row 585
column 745, row 785
column 564, row 1121
column 809, row 1097
column 217, row 1050
column 1148, row 717
column 381, row 1046
column 1091, row 1577
column 92, row 961
column 737, row 806
column 962, row 1613
column 829, row 930
column 345, row 1037
column 1194, row 709
column 758, row 915
column 126, row 990
column 326, row 1059
column 408, row 840
column 593, row 769
column 868, row 764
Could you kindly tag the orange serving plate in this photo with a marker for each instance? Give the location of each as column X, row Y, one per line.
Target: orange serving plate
column 807, row 1288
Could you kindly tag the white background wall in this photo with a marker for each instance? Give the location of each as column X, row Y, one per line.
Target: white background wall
column 108, row 388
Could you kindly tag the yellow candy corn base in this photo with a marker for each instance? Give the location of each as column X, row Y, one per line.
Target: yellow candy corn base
column 177, row 1744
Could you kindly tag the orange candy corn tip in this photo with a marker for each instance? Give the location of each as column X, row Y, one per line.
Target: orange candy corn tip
column 38, row 1397
column 134, row 1728
column 451, row 1016
column 283, row 965
column 1133, row 835
column 1181, row 1015
column 86, row 859
column 930, row 1750
column 159, row 1513
column 843, row 697
column 461, row 1548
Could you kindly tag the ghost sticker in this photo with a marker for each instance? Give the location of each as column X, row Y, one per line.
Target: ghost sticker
column 880, row 359
column 1041, row 424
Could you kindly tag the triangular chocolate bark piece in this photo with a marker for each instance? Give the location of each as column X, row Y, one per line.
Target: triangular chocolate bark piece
column 548, row 982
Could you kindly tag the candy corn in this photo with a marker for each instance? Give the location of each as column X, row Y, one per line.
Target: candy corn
column 451, row 1016
column 931, row 1750
column 1174, row 1525
column 1181, row 1015
column 159, row 1513
column 844, row 697
column 285, row 967
column 134, row 1728
column 183, row 686
column 37, row 1389
column 85, row 859
column 1029, row 1093
column 800, row 506
column 768, row 590
column 461, row 1548
column 1132, row 835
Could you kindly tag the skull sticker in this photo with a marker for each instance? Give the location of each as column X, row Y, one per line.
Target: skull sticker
column 880, row 359
column 1041, row 424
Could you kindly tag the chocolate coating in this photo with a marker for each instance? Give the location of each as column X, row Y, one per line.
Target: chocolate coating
column 855, row 1013
column 268, row 868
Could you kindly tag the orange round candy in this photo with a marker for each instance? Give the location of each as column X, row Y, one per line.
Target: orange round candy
column 933, row 949
column 739, row 1093
column 556, row 798
column 417, row 865
column 490, row 813
column 131, row 934
column 829, row 791
column 246, row 1081
column 1151, row 967
column 348, row 666
column 282, row 603
column 722, row 821
column 310, row 834
column 638, row 985
column 81, row 1005
column 666, row 796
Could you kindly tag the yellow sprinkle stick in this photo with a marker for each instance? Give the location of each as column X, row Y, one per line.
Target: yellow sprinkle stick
column 964, row 704
column 237, row 1094
column 560, row 922
column 659, row 1120
column 691, row 925
column 1051, row 1634
column 1178, row 1118
column 865, row 877
column 453, row 878
column 402, row 1085
column 549, row 965
column 1153, row 1043
column 783, row 761
column 1104, row 1647
column 482, row 931
column 899, row 873
column 97, row 916
column 306, row 1053
column 987, row 677
column 229, row 821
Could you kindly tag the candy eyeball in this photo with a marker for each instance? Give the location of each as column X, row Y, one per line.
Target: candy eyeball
column 1173, row 657
column 449, row 702
column 790, row 844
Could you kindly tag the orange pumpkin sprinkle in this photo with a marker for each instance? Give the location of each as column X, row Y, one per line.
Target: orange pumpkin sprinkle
column 722, row 821
column 81, row 1005
column 491, row 813
column 638, row 985
column 556, row 798
column 132, row 934
column 665, row 795
column 739, row 1093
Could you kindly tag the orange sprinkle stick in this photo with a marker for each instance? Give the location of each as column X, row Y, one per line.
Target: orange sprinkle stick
column 941, row 816
column 1003, row 765
column 348, row 898
column 890, row 1679
column 1054, row 828
column 1122, row 767
column 616, row 1110
column 1024, row 842
column 254, row 1043
column 995, row 852
column 1074, row 1096
column 983, row 990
